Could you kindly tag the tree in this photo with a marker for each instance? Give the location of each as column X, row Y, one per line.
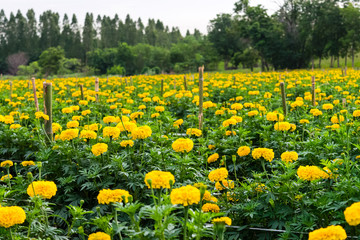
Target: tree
column 15, row 60
column 49, row 30
column 88, row 35
column 49, row 60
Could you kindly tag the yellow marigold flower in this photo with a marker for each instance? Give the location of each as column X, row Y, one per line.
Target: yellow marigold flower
column 99, row 149
column 218, row 175
column 7, row 163
column 253, row 113
column 178, row 123
column 211, row 147
column 304, row 121
column 99, row 236
column 336, row 119
column 210, row 207
column 311, row 173
column 141, row 132
column 112, row 107
column 5, row 177
column 72, row 124
column 219, row 112
column 85, row 112
column 229, row 122
column 237, row 106
column 222, row 220
column 331, row 232
column 243, row 151
column 92, row 127
column 45, row 189
column 228, row 133
column 273, row 116
column 289, row 157
column 187, row 195
column 159, row 108
column 316, row 112
column 226, row 183
column 126, row 143
column 159, row 179
column 69, row 134
column 293, row 127
column 67, row 110
column 15, row 126
column 136, row 115
column 109, row 119
column 83, row 102
column 107, row 196
column 352, row 214
column 335, row 126
column 266, row 153
column 155, row 115
column 24, row 116
column 282, row 126
column 76, row 118
column 27, row 163
column 56, row 127
column 75, row 108
column 327, row 106
column 111, row 132
column 267, row 95
column 9, row 216
column 129, row 126
column 141, row 107
column 194, row 131
column 182, row 145
column 213, row 158
column 237, row 118
column 356, row 113
column 88, row 134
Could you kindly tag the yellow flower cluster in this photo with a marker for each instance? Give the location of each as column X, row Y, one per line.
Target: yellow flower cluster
column 237, row 106
column 331, row 232
column 159, row 179
column 356, row 113
column 141, row 132
column 213, row 158
column 243, row 151
column 311, row 173
column 107, row 196
column 9, row 216
column 266, row 153
column 45, row 189
column 218, row 175
column 27, row 163
column 237, row 118
column 210, row 207
column 99, row 148
column 5, row 177
column 273, row 116
column 282, row 126
column 111, row 132
column 56, row 127
column 15, row 126
column 159, row 108
column 229, row 122
column 99, row 236
column 7, row 163
column 289, row 157
column 222, row 220
column 327, row 106
column 183, row 145
column 41, row 115
column 226, row 183
column 69, row 134
column 304, row 121
column 194, row 131
column 178, row 123
column 352, row 214
column 187, row 195
column 126, row 143
column 126, row 126
column 88, row 134
column 72, row 124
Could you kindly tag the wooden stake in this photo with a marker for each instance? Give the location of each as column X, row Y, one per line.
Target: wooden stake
column 131, row 81
column 82, row 91
column 283, row 97
column 97, row 88
column 234, row 78
column 35, row 97
column 344, row 102
column 201, row 96
column 162, row 87
column 185, row 84
column 48, row 109
column 107, row 80
column 313, row 90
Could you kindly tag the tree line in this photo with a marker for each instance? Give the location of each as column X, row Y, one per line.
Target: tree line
column 296, row 35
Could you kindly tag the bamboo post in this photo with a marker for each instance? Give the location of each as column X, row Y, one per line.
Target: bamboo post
column 174, row 84
column 11, row 90
column 35, row 97
column 131, row 81
column 162, row 87
column 313, row 90
column 234, row 79
column 345, row 70
column 107, row 80
column 48, row 109
column 283, row 97
column 126, row 81
column 185, row 84
column 344, row 102
column 97, row 89
column 82, row 91
column 201, row 96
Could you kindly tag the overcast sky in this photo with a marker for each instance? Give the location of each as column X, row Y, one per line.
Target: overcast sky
column 186, row 14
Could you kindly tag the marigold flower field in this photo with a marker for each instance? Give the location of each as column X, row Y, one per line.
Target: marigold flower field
column 131, row 160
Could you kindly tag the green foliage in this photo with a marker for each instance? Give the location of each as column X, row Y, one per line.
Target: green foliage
column 116, row 70
column 30, row 70
column 50, row 60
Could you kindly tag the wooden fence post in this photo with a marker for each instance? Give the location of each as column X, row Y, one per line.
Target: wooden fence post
column 82, row 91
column 283, row 97
column 97, row 89
column 185, row 84
column 313, row 90
column 48, row 109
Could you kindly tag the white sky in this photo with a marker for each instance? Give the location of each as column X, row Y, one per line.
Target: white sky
column 186, row 14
